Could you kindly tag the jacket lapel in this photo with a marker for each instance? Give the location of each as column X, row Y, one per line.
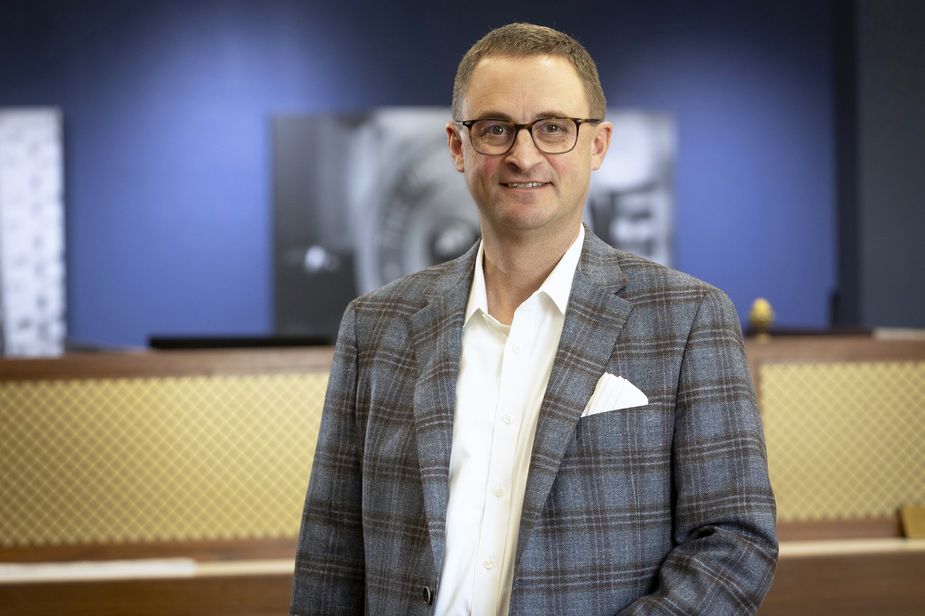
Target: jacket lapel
column 436, row 333
column 594, row 319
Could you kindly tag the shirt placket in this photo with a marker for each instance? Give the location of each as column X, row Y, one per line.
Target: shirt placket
column 505, row 434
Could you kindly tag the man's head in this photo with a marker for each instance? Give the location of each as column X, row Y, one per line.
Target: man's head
column 520, row 40
column 527, row 133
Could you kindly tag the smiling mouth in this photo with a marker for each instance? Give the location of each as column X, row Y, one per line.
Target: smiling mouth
column 524, row 184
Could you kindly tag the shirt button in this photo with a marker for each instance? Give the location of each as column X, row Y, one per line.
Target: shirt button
column 506, row 419
column 515, row 348
column 488, row 564
column 499, row 492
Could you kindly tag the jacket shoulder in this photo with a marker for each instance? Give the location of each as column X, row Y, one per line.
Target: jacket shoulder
column 648, row 279
column 408, row 294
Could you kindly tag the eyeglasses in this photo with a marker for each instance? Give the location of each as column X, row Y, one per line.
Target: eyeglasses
column 493, row 137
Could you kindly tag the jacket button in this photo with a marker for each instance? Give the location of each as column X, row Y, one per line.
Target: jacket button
column 428, row 595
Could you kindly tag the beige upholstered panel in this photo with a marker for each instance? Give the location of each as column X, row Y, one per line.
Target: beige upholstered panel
column 155, row 459
column 200, row 458
column 845, row 440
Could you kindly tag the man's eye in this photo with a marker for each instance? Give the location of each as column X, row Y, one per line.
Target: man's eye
column 495, row 129
column 552, row 127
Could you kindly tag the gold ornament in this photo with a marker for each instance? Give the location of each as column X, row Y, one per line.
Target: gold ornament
column 760, row 318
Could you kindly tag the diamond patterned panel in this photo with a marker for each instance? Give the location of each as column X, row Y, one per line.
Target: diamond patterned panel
column 845, row 440
column 156, row 459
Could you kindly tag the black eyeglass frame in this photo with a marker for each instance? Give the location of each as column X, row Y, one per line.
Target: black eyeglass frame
column 529, row 126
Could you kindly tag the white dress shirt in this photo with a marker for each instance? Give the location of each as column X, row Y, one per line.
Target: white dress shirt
column 503, row 372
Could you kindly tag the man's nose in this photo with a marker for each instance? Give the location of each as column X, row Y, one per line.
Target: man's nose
column 524, row 153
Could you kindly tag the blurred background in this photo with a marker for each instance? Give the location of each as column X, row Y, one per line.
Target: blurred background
column 798, row 129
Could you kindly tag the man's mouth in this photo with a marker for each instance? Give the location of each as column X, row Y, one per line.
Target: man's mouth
column 524, row 184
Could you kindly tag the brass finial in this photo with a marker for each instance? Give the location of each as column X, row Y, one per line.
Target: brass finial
column 760, row 318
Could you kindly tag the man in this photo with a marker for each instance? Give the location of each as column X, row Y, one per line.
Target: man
column 545, row 425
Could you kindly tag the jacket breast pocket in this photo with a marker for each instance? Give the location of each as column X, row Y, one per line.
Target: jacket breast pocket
column 646, row 427
column 620, row 466
column 626, row 450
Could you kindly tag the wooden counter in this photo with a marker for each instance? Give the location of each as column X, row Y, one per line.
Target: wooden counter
column 215, row 402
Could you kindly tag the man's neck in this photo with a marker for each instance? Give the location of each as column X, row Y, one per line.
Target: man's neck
column 515, row 267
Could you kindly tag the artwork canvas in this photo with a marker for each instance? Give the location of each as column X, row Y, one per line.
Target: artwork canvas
column 32, row 267
column 362, row 199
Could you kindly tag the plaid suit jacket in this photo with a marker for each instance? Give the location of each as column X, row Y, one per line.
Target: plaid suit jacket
column 661, row 509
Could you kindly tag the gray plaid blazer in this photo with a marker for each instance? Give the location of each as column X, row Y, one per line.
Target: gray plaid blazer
column 661, row 509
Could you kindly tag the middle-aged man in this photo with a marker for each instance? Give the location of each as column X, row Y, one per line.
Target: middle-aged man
column 545, row 425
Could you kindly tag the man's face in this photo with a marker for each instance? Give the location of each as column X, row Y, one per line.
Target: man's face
column 526, row 189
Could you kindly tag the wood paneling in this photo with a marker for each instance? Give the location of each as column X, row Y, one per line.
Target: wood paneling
column 865, row 528
column 882, row 584
column 266, row 595
column 888, row 584
column 827, row 349
column 169, row 363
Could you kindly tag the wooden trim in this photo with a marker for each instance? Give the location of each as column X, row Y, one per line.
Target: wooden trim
column 263, row 595
column 887, row 583
column 834, row 348
column 828, row 349
column 867, row 528
column 169, row 363
column 843, row 547
column 857, row 528
column 827, row 585
column 138, row 569
column 201, row 551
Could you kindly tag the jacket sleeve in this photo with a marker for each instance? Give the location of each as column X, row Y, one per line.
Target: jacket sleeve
column 724, row 515
column 329, row 565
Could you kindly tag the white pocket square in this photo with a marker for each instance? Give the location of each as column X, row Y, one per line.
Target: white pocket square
column 613, row 393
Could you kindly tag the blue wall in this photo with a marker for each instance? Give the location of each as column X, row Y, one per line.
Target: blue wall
column 167, row 108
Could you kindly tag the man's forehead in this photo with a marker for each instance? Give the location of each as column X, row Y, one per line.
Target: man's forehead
column 548, row 85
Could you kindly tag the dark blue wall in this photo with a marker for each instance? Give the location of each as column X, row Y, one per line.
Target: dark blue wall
column 167, row 108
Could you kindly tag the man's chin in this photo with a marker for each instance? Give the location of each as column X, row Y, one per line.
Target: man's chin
column 523, row 220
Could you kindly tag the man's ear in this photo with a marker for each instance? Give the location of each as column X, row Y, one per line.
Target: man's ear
column 600, row 143
column 454, row 141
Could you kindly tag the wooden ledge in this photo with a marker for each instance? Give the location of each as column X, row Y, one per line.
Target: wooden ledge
column 842, row 547
column 142, row 569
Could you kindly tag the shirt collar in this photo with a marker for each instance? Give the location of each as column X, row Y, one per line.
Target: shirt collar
column 478, row 297
column 557, row 286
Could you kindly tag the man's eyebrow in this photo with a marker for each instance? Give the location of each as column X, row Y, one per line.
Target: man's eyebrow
column 493, row 115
